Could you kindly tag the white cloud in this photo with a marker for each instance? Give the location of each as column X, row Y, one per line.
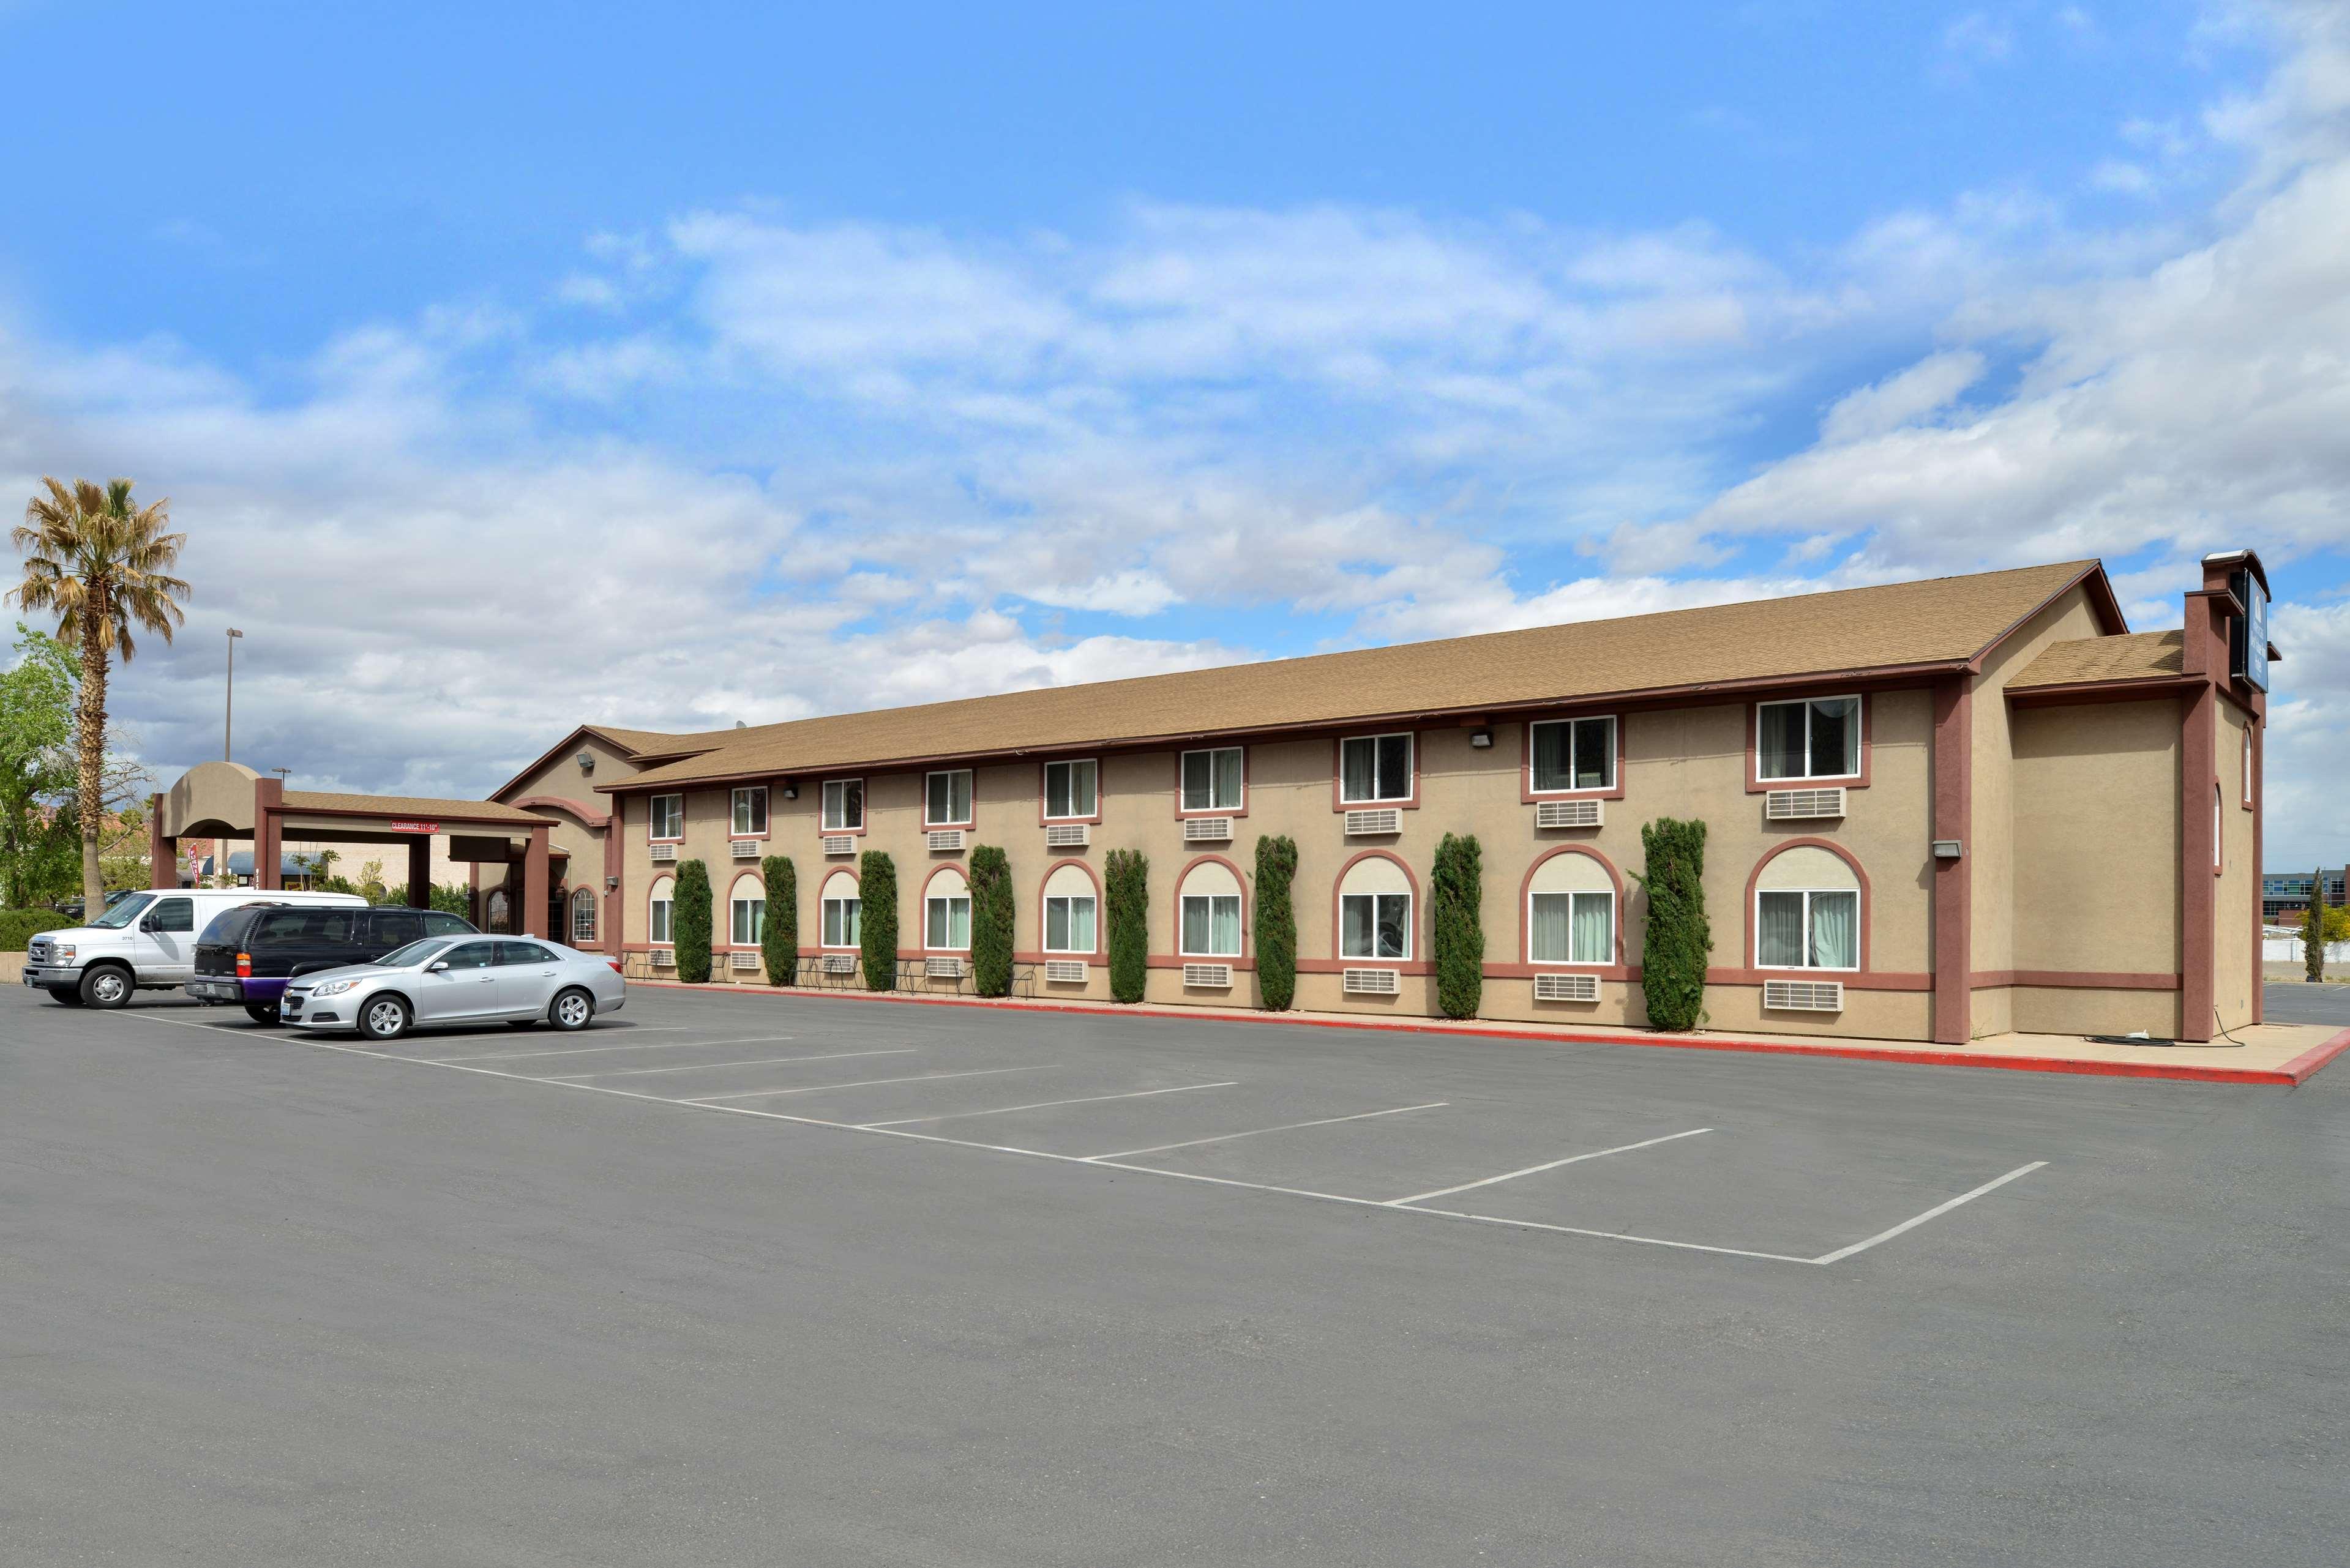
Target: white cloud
column 1925, row 388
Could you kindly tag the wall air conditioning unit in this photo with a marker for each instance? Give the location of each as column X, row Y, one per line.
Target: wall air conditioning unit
column 1207, row 976
column 741, row 960
column 743, row 848
column 947, row 838
column 665, row 852
column 1798, row 805
column 1569, row 812
column 1207, row 829
column 664, row 958
column 1803, row 995
column 840, row 844
column 1566, row 988
column 840, row 963
column 1066, row 971
column 1067, row 834
column 1370, row 982
column 1387, row 819
column 943, row 969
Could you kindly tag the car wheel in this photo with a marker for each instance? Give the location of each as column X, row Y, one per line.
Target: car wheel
column 384, row 1018
column 65, row 996
column 261, row 1012
column 572, row 1009
column 108, row 985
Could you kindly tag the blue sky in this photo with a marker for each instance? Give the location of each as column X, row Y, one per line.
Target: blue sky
column 679, row 365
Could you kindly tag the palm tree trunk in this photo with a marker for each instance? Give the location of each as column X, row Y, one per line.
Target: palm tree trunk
column 91, row 794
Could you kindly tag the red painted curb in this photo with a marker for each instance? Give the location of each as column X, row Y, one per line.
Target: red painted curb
column 2299, row 1070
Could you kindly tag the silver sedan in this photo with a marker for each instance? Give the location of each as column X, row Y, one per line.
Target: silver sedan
column 444, row 981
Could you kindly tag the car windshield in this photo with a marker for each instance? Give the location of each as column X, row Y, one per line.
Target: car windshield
column 123, row 914
column 414, row 953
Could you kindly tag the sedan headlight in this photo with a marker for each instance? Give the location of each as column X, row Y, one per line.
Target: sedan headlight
column 332, row 987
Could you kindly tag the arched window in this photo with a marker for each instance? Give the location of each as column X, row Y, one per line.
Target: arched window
column 946, row 912
column 1375, row 910
column 842, row 928
column 1570, row 911
column 1208, row 911
column 747, row 911
column 583, row 917
column 664, row 894
column 498, row 913
column 1071, row 911
column 1807, row 910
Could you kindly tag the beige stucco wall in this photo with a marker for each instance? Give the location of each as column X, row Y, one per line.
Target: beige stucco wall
column 2238, row 894
column 1688, row 762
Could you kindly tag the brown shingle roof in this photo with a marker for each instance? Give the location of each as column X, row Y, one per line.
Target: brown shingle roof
column 409, row 806
column 2140, row 656
column 1941, row 620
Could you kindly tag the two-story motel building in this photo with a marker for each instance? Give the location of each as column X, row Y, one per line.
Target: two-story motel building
column 1935, row 810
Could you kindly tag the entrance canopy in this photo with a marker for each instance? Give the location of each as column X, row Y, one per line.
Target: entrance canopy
column 229, row 800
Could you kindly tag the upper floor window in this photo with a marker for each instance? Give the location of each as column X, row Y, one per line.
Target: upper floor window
column 844, row 806
column 1573, row 754
column 751, row 809
column 1818, row 738
column 1374, row 768
column 1071, row 789
column 1213, row 780
column 946, row 799
column 668, row 816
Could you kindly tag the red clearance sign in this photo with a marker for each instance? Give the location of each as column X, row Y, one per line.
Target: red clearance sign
column 413, row 826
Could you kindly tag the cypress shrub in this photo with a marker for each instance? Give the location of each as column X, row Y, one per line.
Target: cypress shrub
column 990, row 922
column 1676, row 942
column 1127, row 873
column 779, row 944
column 2313, row 931
column 1276, row 923
column 1458, row 932
column 876, row 889
column 690, row 921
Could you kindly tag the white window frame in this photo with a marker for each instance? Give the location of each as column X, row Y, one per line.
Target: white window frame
column 2219, row 825
column 1615, row 755
column 1570, row 894
column 653, row 819
column 1411, row 767
column 1214, row 808
column 737, row 816
column 1072, row 899
column 594, row 915
column 1183, row 924
column 824, row 923
column 2248, row 767
column 1071, row 763
column 1410, row 935
column 970, row 789
column 929, row 901
column 661, row 914
column 1859, row 739
column 824, row 818
column 1859, row 913
column 735, row 903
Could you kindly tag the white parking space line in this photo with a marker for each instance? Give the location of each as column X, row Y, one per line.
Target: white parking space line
column 858, row 1084
column 1046, row 1105
column 1935, row 1212
column 575, row 1051
column 710, row 1067
column 1534, row 1169
column 1259, row 1132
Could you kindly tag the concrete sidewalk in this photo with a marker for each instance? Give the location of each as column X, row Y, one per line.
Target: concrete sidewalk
column 2274, row 1053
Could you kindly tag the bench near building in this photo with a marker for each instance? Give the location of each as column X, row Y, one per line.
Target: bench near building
column 1935, row 810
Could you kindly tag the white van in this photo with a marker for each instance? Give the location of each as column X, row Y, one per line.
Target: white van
column 146, row 942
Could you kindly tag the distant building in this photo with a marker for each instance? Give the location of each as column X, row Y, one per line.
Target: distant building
column 2284, row 895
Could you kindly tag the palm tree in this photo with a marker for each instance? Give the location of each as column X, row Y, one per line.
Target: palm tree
column 100, row 565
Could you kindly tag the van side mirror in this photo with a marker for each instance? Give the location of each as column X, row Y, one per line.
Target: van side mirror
column 150, row 923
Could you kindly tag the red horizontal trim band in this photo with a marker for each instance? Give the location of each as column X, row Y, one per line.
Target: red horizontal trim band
column 2072, row 980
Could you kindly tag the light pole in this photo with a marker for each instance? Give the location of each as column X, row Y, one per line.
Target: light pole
column 228, row 713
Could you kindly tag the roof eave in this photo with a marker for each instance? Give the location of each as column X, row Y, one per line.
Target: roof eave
column 2102, row 602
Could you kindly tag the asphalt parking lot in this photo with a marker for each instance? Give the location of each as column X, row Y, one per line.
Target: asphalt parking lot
column 750, row 1280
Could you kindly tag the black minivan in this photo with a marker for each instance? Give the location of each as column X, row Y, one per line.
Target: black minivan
column 247, row 955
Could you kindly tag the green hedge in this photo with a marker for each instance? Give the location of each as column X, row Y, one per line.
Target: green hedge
column 779, row 943
column 1127, row 873
column 18, row 926
column 1457, row 932
column 990, row 922
column 688, row 921
column 876, row 889
column 1677, row 942
column 1276, row 923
